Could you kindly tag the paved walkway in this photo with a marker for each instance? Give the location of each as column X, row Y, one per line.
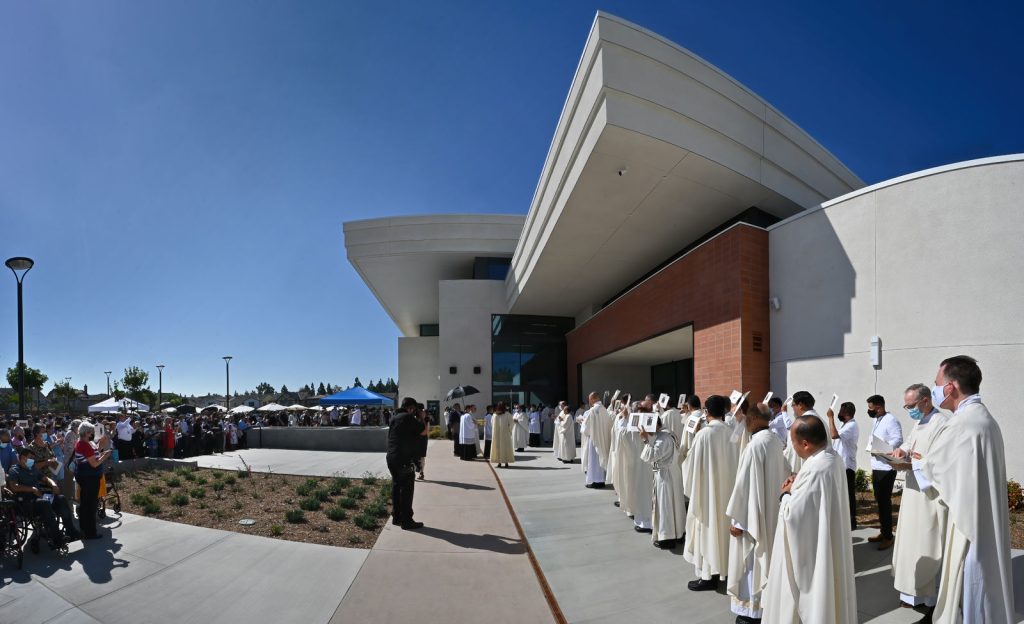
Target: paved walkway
column 311, row 463
column 600, row 570
column 467, row 565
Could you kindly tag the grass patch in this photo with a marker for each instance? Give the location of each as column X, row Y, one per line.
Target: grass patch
column 366, row 521
column 355, row 539
column 294, row 515
column 337, row 514
column 385, row 490
column 201, row 481
column 141, row 499
column 154, row 490
column 276, row 529
column 151, row 507
column 322, row 495
column 173, row 482
column 369, row 478
column 357, row 491
column 347, row 503
column 179, row 500
column 197, row 492
column 230, row 480
column 216, row 475
column 217, row 486
column 304, row 489
column 242, row 474
column 310, row 504
column 377, row 510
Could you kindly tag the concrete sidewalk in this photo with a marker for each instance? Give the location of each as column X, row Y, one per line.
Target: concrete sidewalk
column 594, row 561
column 291, row 462
column 467, row 565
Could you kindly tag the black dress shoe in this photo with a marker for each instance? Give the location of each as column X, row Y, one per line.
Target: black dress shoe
column 742, row 619
column 640, row 529
column 598, row 486
column 665, row 544
column 702, row 585
column 411, row 525
column 927, row 619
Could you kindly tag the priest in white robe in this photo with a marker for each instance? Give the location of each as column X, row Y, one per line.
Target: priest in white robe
column 695, row 420
column 468, row 434
column 501, row 445
column 803, row 405
column 673, row 422
column 598, row 423
column 917, row 555
column 753, row 511
column 810, row 578
column 712, row 475
column 520, row 429
column 780, row 420
column 614, row 472
column 637, row 475
column 564, row 442
column 669, row 517
column 737, row 420
column 584, row 438
column 966, row 466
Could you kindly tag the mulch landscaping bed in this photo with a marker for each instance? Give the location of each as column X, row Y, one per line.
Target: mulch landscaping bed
column 335, row 511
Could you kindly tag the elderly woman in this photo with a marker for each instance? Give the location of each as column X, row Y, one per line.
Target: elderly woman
column 88, row 469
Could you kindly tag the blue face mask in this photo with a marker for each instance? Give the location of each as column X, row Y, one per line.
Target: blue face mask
column 915, row 413
column 46, row 437
column 29, row 463
column 4, row 444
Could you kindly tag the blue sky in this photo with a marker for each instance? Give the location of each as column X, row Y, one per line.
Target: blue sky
column 180, row 170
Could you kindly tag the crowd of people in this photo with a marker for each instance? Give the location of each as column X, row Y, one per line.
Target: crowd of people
column 761, row 496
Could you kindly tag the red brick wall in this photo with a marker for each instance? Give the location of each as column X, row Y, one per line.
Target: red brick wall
column 721, row 288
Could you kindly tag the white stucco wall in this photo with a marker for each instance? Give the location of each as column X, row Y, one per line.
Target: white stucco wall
column 930, row 263
column 417, row 368
column 465, row 310
column 635, row 380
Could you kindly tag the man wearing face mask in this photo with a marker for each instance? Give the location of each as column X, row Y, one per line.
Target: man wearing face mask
column 844, row 443
column 917, row 556
column 965, row 466
column 8, row 454
column 883, row 476
column 30, row 486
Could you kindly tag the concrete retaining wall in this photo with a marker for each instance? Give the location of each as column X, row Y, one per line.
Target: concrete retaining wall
column 356, row 439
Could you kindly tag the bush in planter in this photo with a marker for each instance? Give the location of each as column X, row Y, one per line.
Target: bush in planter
column 197, row 492
column 377, row 510
column 366, row 521
column 862, row 481
column 310, row 504
column 173, row 482
column 304, row 489
column 347, row 503
column 276, row 529
column 322, row 495
column 337, row 514
column 294, row 515
column 140, row 499
column 357, row 491
column 151, row 507
column 179, row 500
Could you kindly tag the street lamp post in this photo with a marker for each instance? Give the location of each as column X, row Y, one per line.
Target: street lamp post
column 160, row 392
column 24, row 265
column 67, row 396
column 107, row 373
column 227, row 382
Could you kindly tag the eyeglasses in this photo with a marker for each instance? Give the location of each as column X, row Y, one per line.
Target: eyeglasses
column 913, row 405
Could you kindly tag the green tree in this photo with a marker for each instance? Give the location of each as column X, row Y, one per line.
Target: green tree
column 284, row 389
column 357, row 383
column 64, row 393
column 34, row 378
column 321, row 390
column 331, row 390
column 264, row 388
column 134, row 380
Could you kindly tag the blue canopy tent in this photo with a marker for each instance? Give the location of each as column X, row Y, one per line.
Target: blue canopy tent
column 357, row 396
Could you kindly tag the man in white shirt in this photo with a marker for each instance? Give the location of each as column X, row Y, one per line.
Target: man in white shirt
column 535, row 426
column 488, row 431
column 780, row 422
column 844, row 443
column 468, row 434
column 887, row 429
column 123, row 441
column 357, row 417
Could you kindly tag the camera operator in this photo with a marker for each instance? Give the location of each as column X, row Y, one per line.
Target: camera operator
column 41, row 492
column 404, row 433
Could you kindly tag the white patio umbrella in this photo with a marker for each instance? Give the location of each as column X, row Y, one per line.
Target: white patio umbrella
column 296, row 408
column 241, row 409
column 272, row 407
column 169, row 410
column 216, row 407
column 316, row 408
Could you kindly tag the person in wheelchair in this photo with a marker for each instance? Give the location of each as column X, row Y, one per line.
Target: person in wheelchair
column 41, row 497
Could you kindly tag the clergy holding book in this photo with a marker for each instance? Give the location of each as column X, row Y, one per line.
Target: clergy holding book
column 917, row 555
column 753, row 510
column 669, row 522
column 564, row 443
column 965, row 466
column 810, row 578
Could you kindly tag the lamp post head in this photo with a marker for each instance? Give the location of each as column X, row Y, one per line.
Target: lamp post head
column 227, row 358
column 160, row 366
column 19, row 263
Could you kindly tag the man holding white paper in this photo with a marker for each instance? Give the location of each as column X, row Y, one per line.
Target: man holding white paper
column 803, row 405
column 598, row 425
column 886, row 435
column 966, row 466
column 844, row 443
column 780, row 419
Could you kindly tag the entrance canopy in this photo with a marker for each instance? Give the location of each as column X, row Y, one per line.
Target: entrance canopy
column 357, row 396
column 112, row 405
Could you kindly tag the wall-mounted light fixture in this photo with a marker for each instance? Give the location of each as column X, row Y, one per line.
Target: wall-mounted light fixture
column 775, row 303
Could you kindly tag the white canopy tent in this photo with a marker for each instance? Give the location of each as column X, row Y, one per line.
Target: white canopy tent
column 272, row 407
column 214, row 406
column 241, row 409
column 297, row 408
column 112, row 405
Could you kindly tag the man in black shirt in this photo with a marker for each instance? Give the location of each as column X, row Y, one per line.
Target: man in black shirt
column 404, row 433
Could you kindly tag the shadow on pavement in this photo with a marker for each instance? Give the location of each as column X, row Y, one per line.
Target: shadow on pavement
column 96, row 558
column 492, row 543
column 456, row 484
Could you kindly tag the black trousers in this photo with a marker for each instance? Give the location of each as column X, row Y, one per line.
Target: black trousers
column 402, row 485
column 487, row 449
column 535, row 439
column 882, row 482
column 124, row 449
column 851, row 490
column 468, row 451
column 87, row 503
column 48, row 512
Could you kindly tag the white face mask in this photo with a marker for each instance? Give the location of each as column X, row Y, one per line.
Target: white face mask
column 938, row 395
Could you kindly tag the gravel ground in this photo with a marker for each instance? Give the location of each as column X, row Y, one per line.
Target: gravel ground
column 218, row 499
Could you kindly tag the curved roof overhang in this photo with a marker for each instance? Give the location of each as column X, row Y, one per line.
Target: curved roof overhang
column 402, row 259
column 654, row 148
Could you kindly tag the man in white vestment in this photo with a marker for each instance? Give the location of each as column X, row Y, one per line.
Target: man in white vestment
column 584, row 437
column 844, row 443
column 547, row 423
column 468, row 434
column 520, row 429
column 564, row 444
column 614, row 472
column 638, row 476
column 712, row 475
column 694, row 419
column 917, row 555
column 669, row 522
column 501, row 443
column 803, row 405
column 966, row 467
column 810, row 578
column 598, row 423
column 737, row 420
column 780, row 420
column 534, row 426
column 488, row 431
column 754, row 511
column 673, row 422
